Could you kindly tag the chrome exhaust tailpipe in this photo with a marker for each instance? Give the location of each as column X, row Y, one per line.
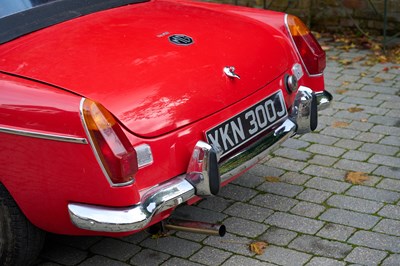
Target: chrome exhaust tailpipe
column 195, row 227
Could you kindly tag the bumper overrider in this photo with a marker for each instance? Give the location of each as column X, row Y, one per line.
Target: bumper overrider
column 204, row 175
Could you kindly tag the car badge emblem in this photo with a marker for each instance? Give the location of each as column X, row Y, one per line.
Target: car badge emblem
column 181, row 39
column 230, row 72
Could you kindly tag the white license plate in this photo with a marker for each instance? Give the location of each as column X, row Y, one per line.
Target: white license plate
column 246, row 125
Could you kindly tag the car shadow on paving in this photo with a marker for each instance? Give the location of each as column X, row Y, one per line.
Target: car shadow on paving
column 307, row 212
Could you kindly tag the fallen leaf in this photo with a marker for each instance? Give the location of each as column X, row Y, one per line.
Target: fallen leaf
column 325, row 47
column 344, row 83
column 258, row 247
column 272, row 179
column 341, row 91
column 368, row 63
column 356, row 177
column 395, row 67
column 333, row 57
column 382, row 59
column 386, row 69
column 378, row 80
column 345, row 62
column 358, row 58
column 355, row 109
column 363, row 74
column 364, row 120
column 340, row 124
column 159, row 235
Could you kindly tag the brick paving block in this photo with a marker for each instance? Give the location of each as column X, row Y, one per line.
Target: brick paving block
column 274, row 202
column 360, row 93
column 293, row 154
column 379, row 89
column 354, row 204
column 282, row 189
column 307, row 209
column 340, row 106
column 383, row 120
column 358, row 116
column 314, row 195
column 115, row 249
column 348, row 144
column 191, row 236
column 294, row 178
column 322, row 160
column 336, row 231
column 294, row 222
column 248, row 211
column 366, row 256
column 235, row 244
column 386, row 130
column 198, row 214
column 393, row 172
column 325, row 149
column 333, row 83
column 390, row 211
column 173, row 246
column 340, row 132
column 295, row 143
column 63, row 254
column 327, row 172
column 361, row 126
column 320, row 139
column 210, row 256
column 80, row 242
column 390, row 184
column 102, row 261
column 327, row 185
column 244, row 227
column 321, row 247
column 391, row 140
column 357, row 155
column 362, row 101
column 283, row 256
column 136, row 238
column 388, row 226
column 385, row 160
column 351, row 165
column 376, row 241
column 286, row 164
column 318, row 261
column 263, row 170
column 181, row 262
column 392, row 260
column 278, row 236
column 394, row 113
column 249, row 180
column 379, row 148
column 350, row 218
column 375, row 194
column 369, row 137
column 389, row 104
column 215, row 203
column 237, row 193
column 237, row 260
column 148, row 257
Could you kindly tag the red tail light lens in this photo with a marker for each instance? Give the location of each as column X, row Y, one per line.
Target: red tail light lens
column 309, row 49
column 113, row 150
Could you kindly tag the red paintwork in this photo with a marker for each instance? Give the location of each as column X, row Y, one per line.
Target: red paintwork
column 164, row 95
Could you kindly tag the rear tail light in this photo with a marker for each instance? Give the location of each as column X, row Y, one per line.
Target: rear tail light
column 112, row 148
column 310, row 51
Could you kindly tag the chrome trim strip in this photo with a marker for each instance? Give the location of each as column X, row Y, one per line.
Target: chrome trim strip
column 38, row 135
column 125, row 219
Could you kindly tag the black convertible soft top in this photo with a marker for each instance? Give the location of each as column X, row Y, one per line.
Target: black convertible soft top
column 34, row 17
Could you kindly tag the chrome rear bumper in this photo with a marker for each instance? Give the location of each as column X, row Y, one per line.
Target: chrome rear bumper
column 178, row 190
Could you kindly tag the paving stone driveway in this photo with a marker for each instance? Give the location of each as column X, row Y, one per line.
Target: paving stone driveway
column 312, row 216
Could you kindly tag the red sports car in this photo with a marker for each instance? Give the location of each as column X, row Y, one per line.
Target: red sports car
column 113, row 113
